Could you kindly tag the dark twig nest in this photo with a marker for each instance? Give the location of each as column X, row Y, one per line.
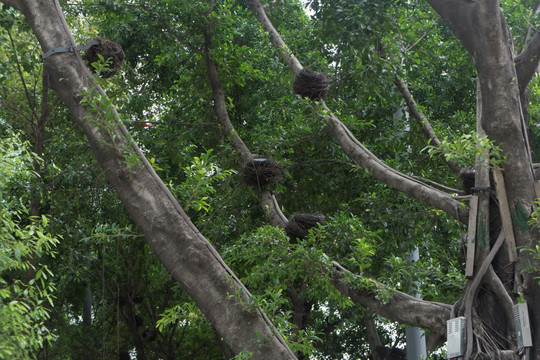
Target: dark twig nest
column 310, row 84
column 299, row 225
column 111, row 52
column 261, row 172
column 467, row 179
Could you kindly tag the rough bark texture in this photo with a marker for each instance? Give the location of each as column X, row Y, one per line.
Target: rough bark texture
column 502, row 119
column 186, row 254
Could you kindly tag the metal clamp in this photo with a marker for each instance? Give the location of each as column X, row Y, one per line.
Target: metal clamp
column 64, row 49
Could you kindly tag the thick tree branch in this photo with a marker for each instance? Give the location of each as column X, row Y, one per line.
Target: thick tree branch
column 423, row 120
column 398, row 306
column 390, row 176
column 184, row 251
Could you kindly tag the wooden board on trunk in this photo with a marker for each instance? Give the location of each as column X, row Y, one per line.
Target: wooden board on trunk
column 471, row 235
column 506, row 218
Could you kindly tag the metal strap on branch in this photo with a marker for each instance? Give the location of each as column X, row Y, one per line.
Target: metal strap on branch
column 482, row 189
column 63, row 49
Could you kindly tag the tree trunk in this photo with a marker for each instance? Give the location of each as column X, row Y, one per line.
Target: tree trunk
column 186, row 254
column 502, row 119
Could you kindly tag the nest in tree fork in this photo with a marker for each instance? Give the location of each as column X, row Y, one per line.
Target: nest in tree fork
column 310, row 84
column 260, row 172
column 112, row 53
column 467, row 178
column 299, row 224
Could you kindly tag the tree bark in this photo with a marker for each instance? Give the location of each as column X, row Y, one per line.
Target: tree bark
column 184, row 251
column 502, row 119
column 398, row 306
column 390, row 176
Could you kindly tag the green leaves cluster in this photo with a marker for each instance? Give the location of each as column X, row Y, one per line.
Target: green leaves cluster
column 198, row 188
column 469, row 149
column 26, row 287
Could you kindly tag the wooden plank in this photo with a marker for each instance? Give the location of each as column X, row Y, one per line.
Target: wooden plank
column 471, row 235
column 506, row 218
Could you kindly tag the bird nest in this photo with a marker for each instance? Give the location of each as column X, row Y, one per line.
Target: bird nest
column 299, row 224
column 467, row 179
column 112, row 53
column 261, row 172
column 310, row 84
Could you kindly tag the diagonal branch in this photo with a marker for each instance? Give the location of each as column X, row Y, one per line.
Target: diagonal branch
column 359, row 152
column 275, row 38
column 267, row 200
column 398, row 306
column 423, row 120
column 192, row 261
column 527, row 61
column 388, row 175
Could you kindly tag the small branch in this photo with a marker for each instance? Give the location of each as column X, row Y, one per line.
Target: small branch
column 422, row 119
column 31, row 100
column 275, row 38
column 527, row 61
column 220, row 106
column 372, row 335
column 420, row 39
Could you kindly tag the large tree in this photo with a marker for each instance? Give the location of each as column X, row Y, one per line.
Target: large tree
column 221, row 37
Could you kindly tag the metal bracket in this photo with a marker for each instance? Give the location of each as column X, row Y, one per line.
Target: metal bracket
column 64, row 49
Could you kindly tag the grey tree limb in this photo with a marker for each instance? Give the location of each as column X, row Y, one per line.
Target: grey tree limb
column 398, row 306
column 187, row 255
column 422, row 120
column 355, row 149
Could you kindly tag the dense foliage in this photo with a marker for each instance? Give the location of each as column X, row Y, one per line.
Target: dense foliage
column 112, row 296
